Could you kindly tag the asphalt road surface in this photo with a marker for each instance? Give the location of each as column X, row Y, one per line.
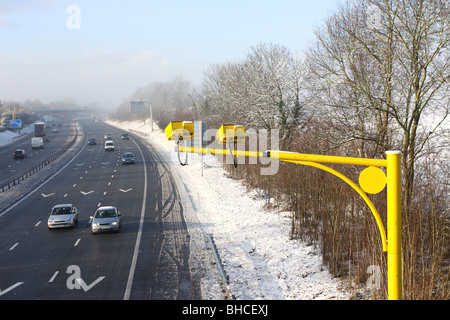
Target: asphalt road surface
column 147, row 259
column 10, row 168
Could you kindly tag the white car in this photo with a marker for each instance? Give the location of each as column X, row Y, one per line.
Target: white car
column 109, row 145
column 106, row 218
column 63, row 216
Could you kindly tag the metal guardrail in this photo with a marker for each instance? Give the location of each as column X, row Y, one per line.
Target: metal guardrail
column 225, row 278
column 24, row 175
column 224, row 275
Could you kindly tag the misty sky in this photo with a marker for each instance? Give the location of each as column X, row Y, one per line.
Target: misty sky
column 102, row 50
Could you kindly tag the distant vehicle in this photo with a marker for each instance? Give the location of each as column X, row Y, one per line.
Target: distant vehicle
column 39, row 129
column 63, row 216
column 55, row 130
column 92, row 142
column 109, row 145
column 108, row 136
column 19, row 154
column 106, row 218
column 128, row 158
column 125, row 136
column 37, row 143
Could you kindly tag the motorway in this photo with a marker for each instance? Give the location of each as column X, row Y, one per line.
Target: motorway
column 10, row 168
column 147, row 259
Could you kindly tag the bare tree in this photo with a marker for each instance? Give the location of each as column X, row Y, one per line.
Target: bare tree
column 381, row 79
column 263, row 90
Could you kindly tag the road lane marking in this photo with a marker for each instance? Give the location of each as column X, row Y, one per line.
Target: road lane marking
column 86, row 287
column 53, row 277
column 10, row 288
column 47, row 195
column 139, row 234
column 15, row 245
column 39, row 222
column 77, row 242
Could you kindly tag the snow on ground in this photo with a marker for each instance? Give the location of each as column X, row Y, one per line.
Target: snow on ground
column 258, row 257
column 8, row 136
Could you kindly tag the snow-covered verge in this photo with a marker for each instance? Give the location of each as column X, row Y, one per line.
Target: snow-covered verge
column 258, row 257
column 7, row 137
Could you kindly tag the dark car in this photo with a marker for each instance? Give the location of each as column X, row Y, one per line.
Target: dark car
column 92, row 142
column 19, row 154
column 108, row 136
column 125, row 136
column 128, row 158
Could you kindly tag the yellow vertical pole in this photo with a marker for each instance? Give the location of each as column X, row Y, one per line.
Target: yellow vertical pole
column 394, row 231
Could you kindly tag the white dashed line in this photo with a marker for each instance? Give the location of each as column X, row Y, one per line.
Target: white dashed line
column 53, row 277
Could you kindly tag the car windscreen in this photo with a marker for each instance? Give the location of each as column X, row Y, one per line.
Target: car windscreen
column 62, row 210
column 110, row 213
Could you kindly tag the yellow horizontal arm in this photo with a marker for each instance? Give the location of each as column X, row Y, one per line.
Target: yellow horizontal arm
column 293, row 156
column 239, row 153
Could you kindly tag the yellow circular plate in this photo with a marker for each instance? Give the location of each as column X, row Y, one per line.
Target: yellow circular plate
column 372, row 180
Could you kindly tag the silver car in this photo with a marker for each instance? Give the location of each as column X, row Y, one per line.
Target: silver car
column 105, row 219
column 63, row 216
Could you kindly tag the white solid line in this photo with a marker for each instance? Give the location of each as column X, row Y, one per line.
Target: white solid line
column 15, row 245
column 138, row 238
column 53, row 277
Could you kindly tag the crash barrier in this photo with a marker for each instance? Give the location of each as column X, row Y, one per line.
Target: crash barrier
column 24, row 175
column 225, row 279
column 213, row 246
